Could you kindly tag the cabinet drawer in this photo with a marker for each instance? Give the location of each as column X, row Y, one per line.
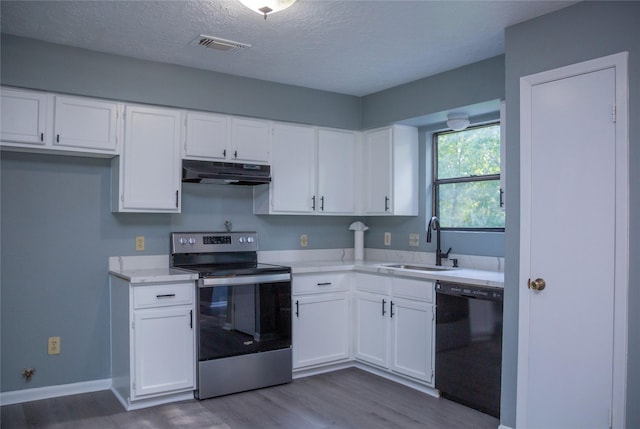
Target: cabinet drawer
column 320, row 283
column 163, row 295
column 414, row 289
column 373, row 283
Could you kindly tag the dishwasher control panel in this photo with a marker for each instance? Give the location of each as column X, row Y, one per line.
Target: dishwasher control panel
column 482, row 292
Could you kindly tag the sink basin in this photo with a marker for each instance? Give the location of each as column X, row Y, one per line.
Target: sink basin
column 418, row 267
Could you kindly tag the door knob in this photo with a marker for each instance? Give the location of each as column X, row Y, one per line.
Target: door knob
column 537, row 284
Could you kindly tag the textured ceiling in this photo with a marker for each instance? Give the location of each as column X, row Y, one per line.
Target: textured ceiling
column 352, row 47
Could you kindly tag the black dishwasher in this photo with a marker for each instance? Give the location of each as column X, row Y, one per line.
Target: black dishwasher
column 469, row 345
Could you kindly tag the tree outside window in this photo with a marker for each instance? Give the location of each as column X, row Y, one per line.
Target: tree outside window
column 466, row 179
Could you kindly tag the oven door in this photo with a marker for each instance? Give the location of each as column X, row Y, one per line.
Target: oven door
column 244, row 314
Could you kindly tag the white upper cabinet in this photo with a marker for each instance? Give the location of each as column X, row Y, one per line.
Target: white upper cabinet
column 148, row 171
column 207, row 136
column 293, row 170
column 391, row 171
column 249, row 140
column 23, row 118
column 312, row 172
column 59, row 124
column 214, row 137
column 336, row 171
column 85, row 123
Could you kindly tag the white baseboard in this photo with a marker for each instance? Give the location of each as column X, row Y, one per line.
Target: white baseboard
column 26, row 395
column 504, row 427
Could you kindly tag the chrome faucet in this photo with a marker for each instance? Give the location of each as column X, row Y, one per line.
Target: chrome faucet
column 434, row 224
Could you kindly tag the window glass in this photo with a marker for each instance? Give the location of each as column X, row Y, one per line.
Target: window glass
column 472, row 152
column 466, row 180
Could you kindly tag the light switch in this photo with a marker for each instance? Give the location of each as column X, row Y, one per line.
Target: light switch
column 387, row 239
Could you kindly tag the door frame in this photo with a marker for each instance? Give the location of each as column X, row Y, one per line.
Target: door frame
column 621, row 264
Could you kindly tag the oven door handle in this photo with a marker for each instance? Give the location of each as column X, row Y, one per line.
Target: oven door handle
column 244, row 280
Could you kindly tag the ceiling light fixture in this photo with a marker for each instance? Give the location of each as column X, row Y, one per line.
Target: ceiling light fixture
column 457, row 121
column 267, row 7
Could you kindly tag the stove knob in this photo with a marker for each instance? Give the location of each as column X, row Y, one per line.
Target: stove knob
column 182, row 241
column 250, row 239
column 192, row 241
column 241, row 239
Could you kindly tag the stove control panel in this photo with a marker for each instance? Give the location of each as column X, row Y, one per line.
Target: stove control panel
column 206, row 242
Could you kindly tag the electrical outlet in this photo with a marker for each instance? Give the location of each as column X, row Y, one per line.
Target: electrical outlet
column 387, row 239
column 304, row 240
column 139, row 243
column 53, row 347
column 414, row 240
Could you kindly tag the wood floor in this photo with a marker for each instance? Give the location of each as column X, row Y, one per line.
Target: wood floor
column 349, row 398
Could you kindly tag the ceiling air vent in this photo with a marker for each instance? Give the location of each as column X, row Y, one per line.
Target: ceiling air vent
column 218, row 44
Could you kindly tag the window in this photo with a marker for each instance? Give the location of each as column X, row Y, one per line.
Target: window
column 466, row 179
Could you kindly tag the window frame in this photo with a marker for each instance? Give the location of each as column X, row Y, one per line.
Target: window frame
column 435, row 182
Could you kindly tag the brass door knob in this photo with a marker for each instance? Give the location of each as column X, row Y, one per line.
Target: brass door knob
column 537, row 284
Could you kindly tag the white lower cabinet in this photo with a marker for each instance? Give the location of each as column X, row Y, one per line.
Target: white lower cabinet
column 152, row 342
column 163, row 343
column 320, row 319
column 394, row 325
column 320, row 333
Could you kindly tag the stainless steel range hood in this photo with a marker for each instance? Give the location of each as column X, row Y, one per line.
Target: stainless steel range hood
column 225, row 173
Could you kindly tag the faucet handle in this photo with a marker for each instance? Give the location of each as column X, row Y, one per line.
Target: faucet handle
column 446, row 255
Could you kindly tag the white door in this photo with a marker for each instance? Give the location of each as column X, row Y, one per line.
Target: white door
column 164, row 356
column 85, row 123
column 336, row 171
column 249, row 140
column 412, row 327
column 378, row 161
column 293, row 169
column 570, row 208
column 23, row 116
column 207, row 136
column 319, row 329
column 372, row 328
column 151, row 159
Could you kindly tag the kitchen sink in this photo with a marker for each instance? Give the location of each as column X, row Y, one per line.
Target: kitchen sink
column 417, row 267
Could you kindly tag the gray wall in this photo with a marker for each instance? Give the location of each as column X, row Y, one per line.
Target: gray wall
column 582, row 32
column 57, row 68
column 57, row 229
column 474, row 83
column 57, row 233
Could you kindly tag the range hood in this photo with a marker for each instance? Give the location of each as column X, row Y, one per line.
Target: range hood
column 225, row 173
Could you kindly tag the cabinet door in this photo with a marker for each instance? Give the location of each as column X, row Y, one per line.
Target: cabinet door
column 207, row 136
column 85, row 123
column 249, row 140
column 372, row 328
column 412, row 330
column 23, row 116
column 293, row 169
column 164, row 357
column 378, row 161
column 336, row 171
column 151, row 179
column 320, row 329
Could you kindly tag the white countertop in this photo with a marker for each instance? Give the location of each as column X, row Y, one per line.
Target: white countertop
column 155, row 268
column 155, row 275
column 457, row 275
column 147, row 269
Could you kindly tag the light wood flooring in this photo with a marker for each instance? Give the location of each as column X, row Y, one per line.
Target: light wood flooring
column 349, row 398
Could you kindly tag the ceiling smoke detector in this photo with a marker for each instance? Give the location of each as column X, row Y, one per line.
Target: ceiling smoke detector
column 218, row 43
